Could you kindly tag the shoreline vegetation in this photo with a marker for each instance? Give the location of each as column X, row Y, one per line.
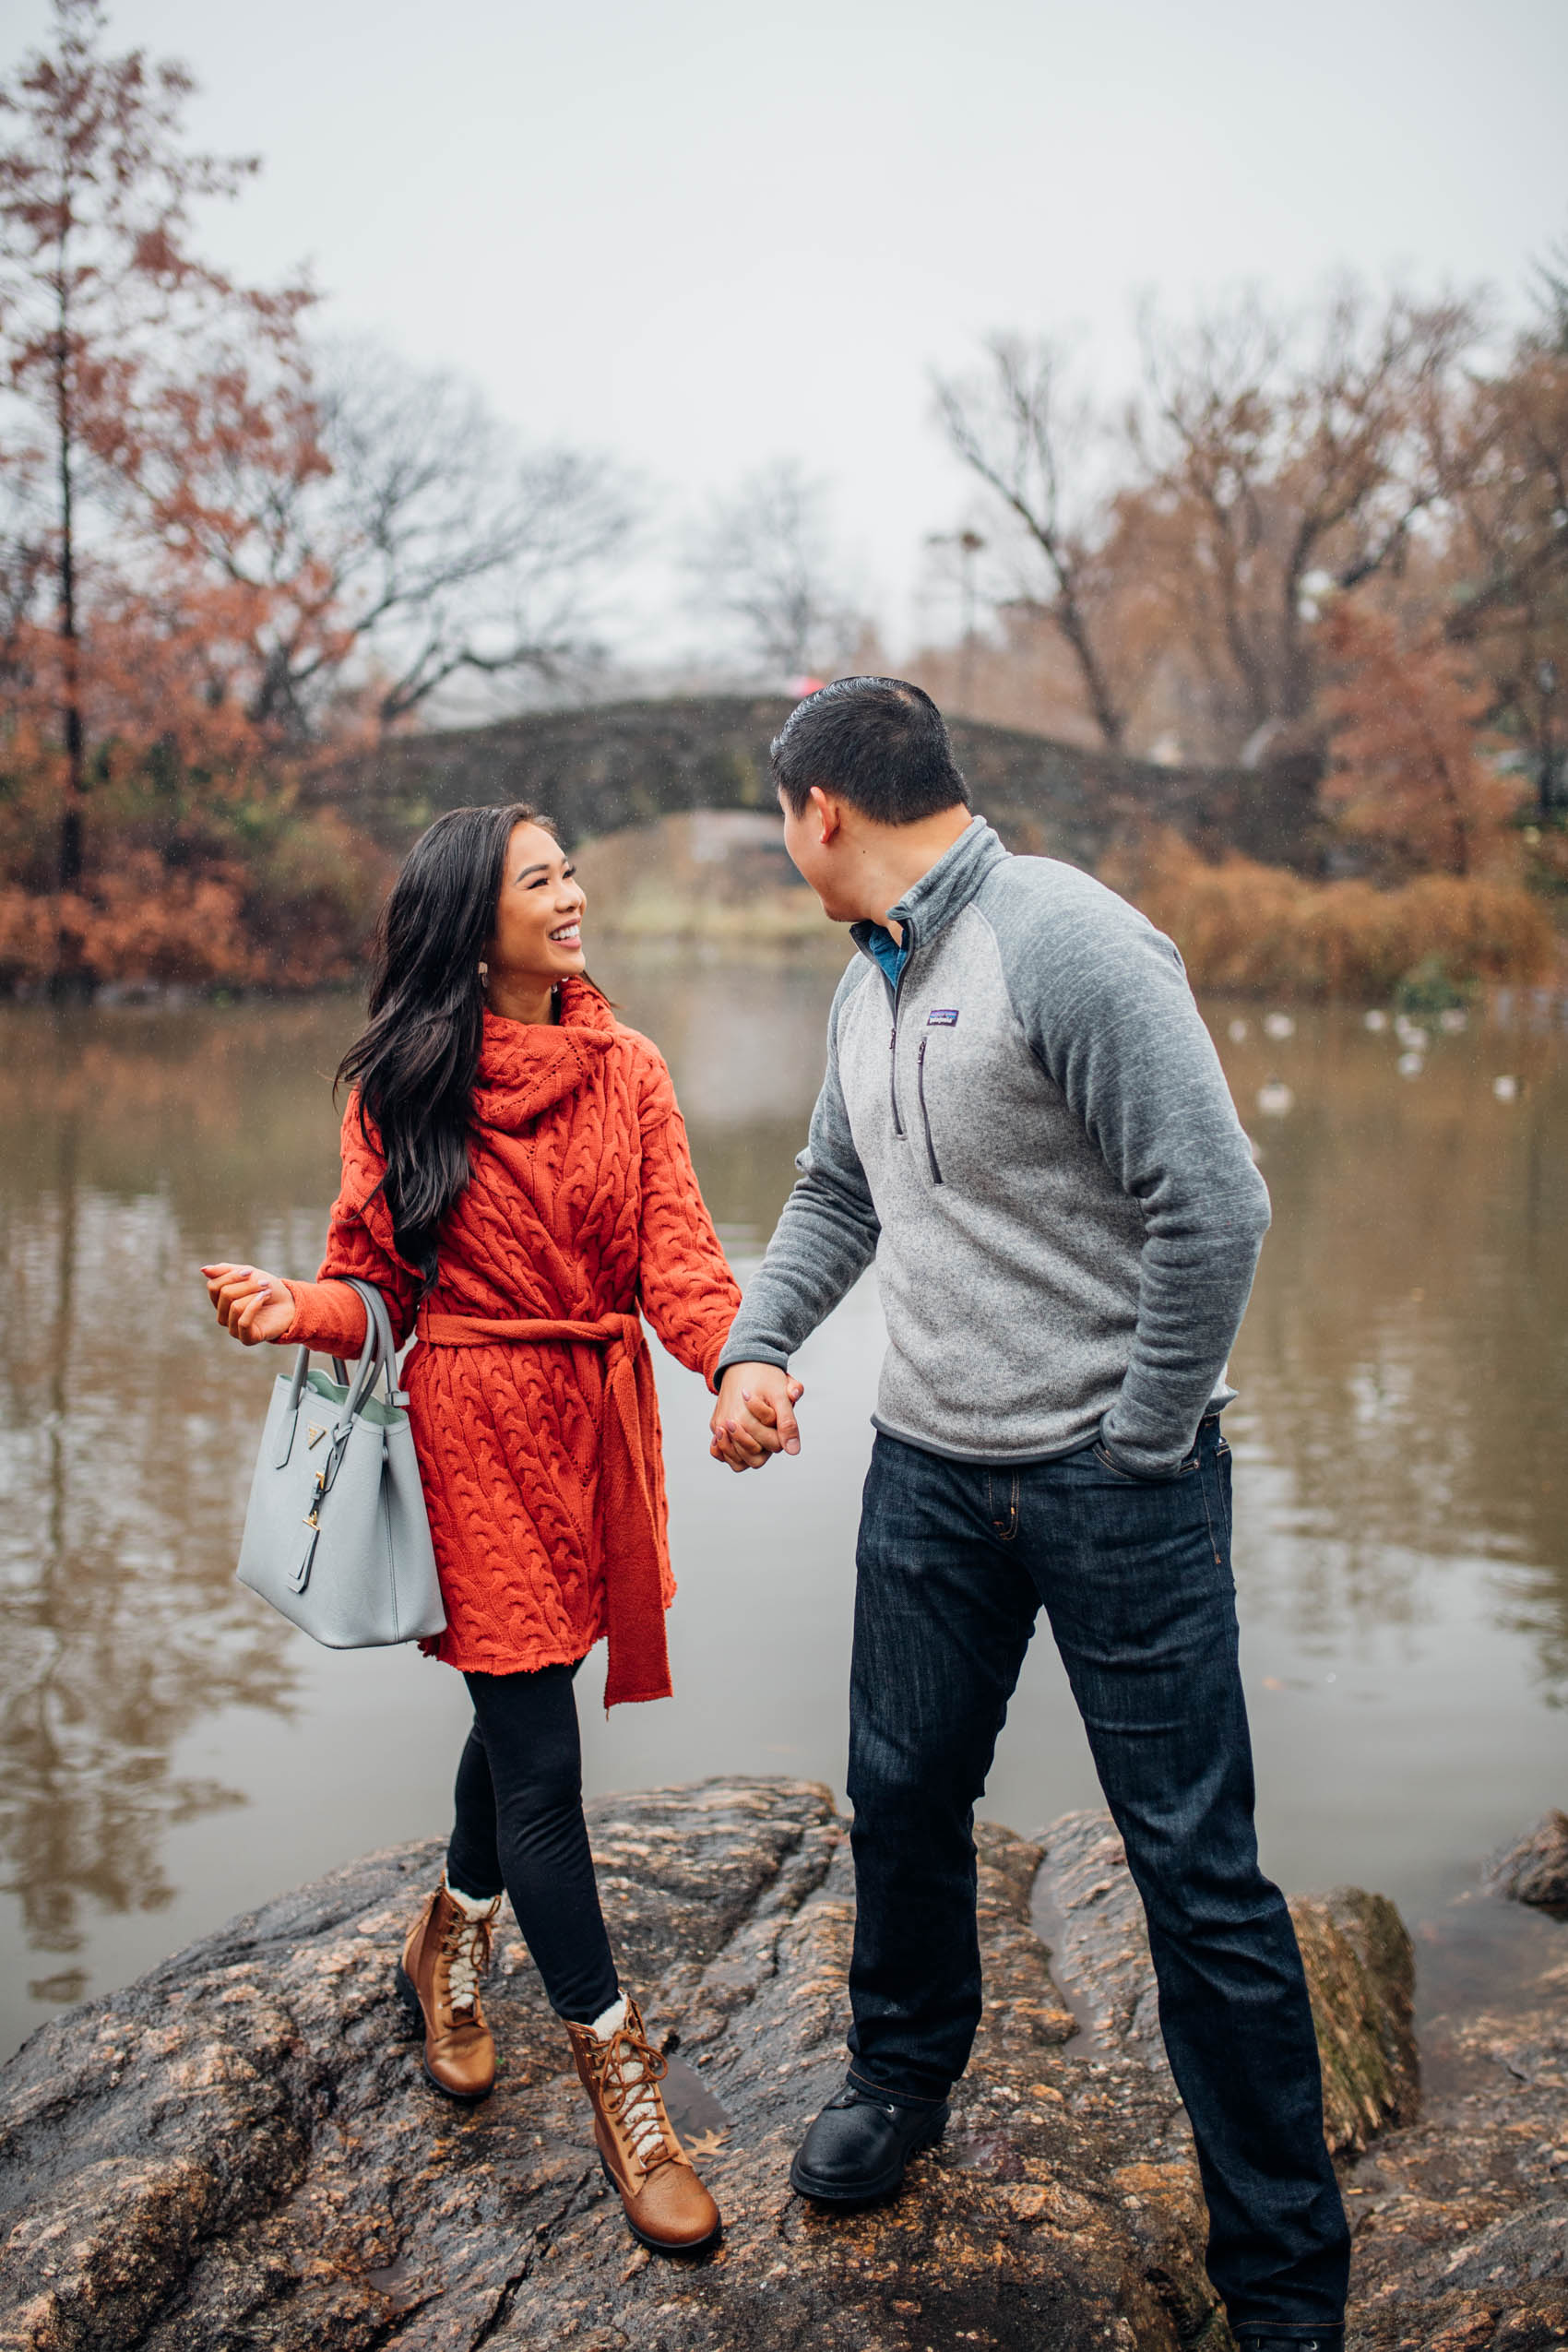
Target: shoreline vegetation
column 286, row 902
column 1251, row 930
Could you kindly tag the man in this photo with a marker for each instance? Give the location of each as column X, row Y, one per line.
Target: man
column 1024, row 1123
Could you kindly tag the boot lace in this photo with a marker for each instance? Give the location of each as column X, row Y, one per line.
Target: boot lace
column 633, row 2071
column 465, row 1953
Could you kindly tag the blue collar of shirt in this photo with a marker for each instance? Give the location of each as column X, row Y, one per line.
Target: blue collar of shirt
column 881, row 945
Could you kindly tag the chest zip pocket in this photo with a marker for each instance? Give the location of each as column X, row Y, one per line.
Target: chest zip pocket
column 925, row 1115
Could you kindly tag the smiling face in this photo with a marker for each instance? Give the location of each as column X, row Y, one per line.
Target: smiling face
column 538, row 936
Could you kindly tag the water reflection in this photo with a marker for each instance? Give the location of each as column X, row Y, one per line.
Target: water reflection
column 1404, row 1358
column 168, row 1751
column 121, row 1441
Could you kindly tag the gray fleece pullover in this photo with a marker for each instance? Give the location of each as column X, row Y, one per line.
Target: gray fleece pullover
column 1033, row 1137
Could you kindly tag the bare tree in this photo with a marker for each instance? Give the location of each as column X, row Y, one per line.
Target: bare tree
column 392, row 536
column 1285, row 469
column 1033, row 443
column 762, row 562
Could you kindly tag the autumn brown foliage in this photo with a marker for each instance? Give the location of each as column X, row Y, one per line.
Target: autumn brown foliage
column 1405, row 763
column 1258, row 929
column 106, row 309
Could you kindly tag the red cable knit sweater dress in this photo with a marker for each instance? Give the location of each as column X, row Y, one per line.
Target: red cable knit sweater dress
column 582, row 1206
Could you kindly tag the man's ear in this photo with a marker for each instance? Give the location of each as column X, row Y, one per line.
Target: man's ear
column 829, row 815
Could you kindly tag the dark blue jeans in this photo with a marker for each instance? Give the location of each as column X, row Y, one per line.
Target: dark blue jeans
column 955, row 1561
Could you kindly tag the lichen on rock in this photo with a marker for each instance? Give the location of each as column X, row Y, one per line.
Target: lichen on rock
column 1362, row 1976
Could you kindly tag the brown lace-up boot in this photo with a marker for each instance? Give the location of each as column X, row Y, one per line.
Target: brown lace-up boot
column 447, row 1954
column 667, row 2207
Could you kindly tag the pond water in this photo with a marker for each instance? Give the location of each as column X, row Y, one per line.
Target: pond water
column 171, row 1753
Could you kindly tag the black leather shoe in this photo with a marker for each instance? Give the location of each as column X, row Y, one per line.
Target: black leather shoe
column 857, row 2149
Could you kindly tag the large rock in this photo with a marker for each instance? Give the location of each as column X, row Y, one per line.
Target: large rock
column 1360, row 1965
column 240, row 2151
column 1461, row 2220
column 1536, row 1870
column 1459, row 2213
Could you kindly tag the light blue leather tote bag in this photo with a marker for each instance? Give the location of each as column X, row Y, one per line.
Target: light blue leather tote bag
column 335, row 1532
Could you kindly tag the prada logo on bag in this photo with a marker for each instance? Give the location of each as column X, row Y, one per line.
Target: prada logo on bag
column 313, row 1435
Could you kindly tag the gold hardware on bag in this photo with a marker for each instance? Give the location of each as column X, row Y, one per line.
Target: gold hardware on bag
column 313, row 1435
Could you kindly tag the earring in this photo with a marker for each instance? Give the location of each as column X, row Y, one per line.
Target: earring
column 484, row 971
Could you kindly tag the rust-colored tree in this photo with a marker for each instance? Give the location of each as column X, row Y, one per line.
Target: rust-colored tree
column 1291, row 460
column 1506, row 571
column 104, row 304
column 220, row 550
column 1180, row 550
column 1407, row 770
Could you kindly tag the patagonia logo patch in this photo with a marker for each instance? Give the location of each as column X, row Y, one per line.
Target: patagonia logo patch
column 944, row 1017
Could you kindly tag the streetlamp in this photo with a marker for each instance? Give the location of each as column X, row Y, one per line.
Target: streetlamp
column 969, row 544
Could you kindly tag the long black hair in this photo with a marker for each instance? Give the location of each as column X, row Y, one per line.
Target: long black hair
column 416, row 1061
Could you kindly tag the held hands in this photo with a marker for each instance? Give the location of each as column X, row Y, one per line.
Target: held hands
column 252, row 1306
column 755, row 1416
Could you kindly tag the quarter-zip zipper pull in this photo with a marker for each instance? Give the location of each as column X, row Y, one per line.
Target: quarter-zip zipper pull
column 925, row 1115
column 892, row 989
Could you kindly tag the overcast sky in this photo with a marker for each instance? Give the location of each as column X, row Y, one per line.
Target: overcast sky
column 699, row 234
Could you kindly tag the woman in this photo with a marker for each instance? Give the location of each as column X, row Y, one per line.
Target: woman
column 517, row 1184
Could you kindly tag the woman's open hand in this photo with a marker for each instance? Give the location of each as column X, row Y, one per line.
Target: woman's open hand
column 252, row 1306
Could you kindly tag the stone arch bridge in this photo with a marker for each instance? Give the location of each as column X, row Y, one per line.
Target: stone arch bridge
column 597, row 769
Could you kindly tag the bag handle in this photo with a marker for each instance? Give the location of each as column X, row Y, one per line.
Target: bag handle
column 379, row 1321
column 378, row 1354
column 366, row 1361
column 377, row 1358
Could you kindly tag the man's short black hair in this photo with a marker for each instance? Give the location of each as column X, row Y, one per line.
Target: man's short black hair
column 878, row 742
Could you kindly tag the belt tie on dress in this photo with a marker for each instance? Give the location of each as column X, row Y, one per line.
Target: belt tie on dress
column 633, row 1583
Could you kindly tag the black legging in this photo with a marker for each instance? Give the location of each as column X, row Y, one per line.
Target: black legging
column 519, row 1826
